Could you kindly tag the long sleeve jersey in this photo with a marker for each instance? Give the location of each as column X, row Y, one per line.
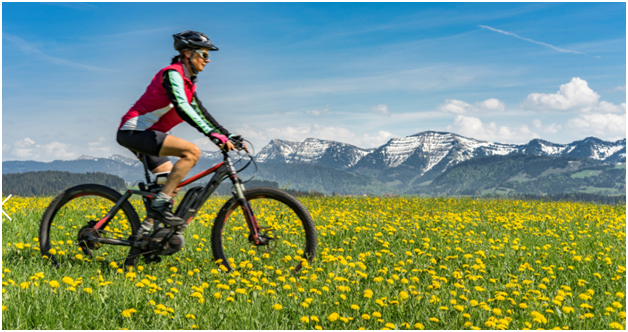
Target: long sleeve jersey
column 169, row 100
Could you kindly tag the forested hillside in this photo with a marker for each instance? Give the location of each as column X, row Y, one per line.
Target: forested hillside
column 53, row 182
column 529, row 174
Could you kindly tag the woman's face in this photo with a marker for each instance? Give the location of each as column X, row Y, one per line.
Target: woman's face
column 198, row 60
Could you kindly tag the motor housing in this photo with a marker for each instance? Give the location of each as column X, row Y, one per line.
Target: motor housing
column 175, row 244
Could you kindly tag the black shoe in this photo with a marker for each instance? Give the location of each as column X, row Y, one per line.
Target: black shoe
column 164, row 214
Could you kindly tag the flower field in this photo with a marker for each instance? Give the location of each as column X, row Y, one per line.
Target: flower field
column 382, row 263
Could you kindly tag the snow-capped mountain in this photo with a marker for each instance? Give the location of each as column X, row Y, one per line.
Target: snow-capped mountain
column 425, row 155
column 312, row 151
column 123, row 159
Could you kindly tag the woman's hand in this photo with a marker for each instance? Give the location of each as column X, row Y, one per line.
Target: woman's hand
column 228, row 146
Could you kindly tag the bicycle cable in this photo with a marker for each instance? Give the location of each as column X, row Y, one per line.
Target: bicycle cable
column 251, row 160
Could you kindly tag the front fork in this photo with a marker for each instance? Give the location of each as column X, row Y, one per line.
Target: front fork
column 251, row 221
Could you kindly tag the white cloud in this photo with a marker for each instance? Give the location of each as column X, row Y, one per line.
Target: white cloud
column 380, row 109
column 550, row 129
column 473, row 127
column 621, row 88
column 603, row 125
column 97, row 143
column 455, row 106
column 261, row 136
column 491, row 104
column 57, row 150
column 100, row 149
column 321, row 112
column 25, row 143
column 27, row 148
column 376, row 140
column 573, row 96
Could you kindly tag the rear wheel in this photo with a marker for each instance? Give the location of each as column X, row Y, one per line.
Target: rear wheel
column 71, row 216
column 286, row 228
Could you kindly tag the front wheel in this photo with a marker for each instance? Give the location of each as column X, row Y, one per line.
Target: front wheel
column 284, row 223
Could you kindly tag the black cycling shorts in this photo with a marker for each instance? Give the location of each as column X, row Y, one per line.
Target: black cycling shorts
column 144, row 143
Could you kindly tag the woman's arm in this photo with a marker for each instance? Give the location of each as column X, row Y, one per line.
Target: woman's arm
column 193, row 113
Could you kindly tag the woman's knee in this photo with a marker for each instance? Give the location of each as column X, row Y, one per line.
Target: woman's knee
column 193, row 152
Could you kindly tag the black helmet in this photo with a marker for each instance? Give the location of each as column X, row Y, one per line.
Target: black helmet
column 193, row 40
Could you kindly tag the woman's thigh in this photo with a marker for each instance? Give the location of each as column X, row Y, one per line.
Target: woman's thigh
column 178, row 147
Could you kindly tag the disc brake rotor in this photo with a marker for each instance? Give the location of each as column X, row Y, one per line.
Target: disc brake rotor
column 267, row 242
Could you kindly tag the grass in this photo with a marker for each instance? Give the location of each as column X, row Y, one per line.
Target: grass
column 584, row 174
column 395, row 263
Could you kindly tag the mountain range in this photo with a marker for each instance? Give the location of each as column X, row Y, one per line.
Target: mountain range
column 407, row 161
column 401, row 164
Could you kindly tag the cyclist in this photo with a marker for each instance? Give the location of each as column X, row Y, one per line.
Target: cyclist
column 169, row 100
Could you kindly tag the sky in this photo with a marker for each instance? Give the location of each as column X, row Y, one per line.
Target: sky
column 358, row 73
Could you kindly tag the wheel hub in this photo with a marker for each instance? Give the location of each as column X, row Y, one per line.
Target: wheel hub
column 86, row 233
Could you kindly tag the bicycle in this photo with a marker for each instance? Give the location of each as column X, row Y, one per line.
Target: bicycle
column 277, row 223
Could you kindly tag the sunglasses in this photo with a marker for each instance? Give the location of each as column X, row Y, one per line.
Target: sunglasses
column 204, row 54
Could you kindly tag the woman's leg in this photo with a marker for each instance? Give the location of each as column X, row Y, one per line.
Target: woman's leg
column 165, row 167
column 189, row 154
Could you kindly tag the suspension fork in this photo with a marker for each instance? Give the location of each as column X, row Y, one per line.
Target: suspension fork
column 251, row 221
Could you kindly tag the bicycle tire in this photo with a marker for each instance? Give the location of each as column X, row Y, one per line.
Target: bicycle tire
column 285, row 203
column 73, row 194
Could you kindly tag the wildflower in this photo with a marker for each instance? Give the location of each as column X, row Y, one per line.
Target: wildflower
column 355, row 307
column 190, row 316
column 277, row 307
column 615, row 325
column 173, row 269
column 53, row 284
column 376, row 314
column 333, row 317
column 419, row 326
column 567, row 310
column 305, row 319
column 368, row 293
column 87, row 290
column 365, row 316
column 434, row 319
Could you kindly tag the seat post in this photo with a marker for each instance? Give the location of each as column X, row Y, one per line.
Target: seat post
column 145, row 169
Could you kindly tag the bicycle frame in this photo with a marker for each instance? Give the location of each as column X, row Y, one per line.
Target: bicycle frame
column 222, row 170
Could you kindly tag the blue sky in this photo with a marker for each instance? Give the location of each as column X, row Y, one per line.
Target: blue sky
column 359, row 73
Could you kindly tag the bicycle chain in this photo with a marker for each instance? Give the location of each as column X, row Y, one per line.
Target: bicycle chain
column 128, row 257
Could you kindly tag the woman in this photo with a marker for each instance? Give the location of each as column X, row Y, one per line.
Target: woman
column 169, row 100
